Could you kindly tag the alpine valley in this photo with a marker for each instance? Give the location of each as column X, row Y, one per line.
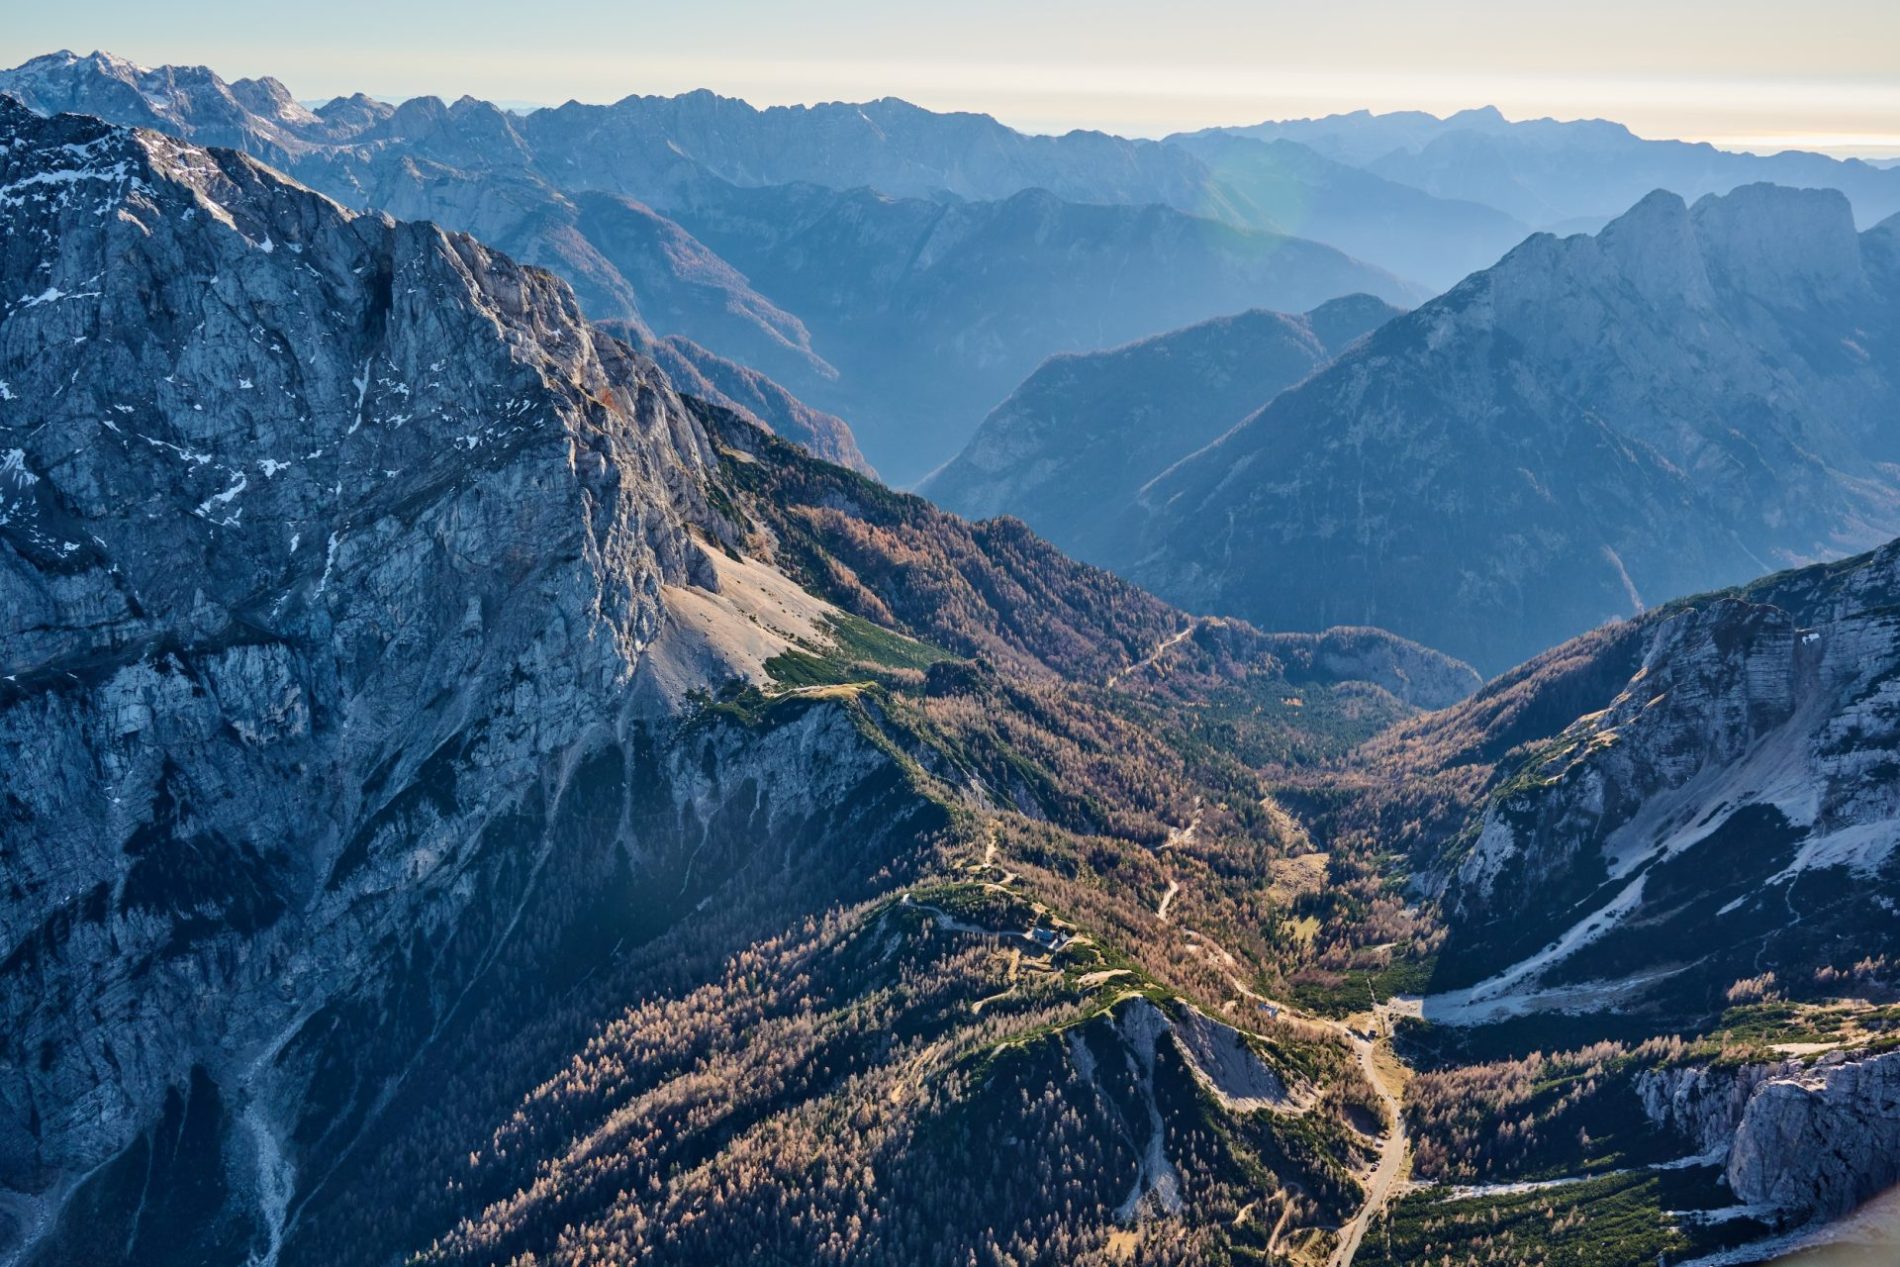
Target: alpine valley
column 492, row 776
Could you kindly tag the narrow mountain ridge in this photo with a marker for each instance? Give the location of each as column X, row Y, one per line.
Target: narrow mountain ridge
column 1071, row 447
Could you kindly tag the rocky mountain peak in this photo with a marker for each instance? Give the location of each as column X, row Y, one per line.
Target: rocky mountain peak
column 1717, row 369
column 65, row 79
column 1653, row 248
column 1338, row 322
column 265, row 95
column 1780, row 245
column 417, row 114
column 357, row 110
column 328, row 543
column 1477, row 117
column 258, row 115
column 1659, row 215
column 218, row 409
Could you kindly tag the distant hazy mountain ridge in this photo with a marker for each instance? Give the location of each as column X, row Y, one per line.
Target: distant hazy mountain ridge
column 1070, row 449
column 650, row 207
column 1551, row 173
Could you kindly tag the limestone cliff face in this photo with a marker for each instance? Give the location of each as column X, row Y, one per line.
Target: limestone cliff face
column 341, row 577
column 1805, row 1140
column 1702, row 1104
column 1824, row 1139
column 1679, row 802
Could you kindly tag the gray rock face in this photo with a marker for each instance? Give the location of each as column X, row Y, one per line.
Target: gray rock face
column 1806, row 1140
column 463, row 166
column 1702, row 1104
column 336, row 556
column 1694, row 396
column 1822, row 1140
column 269, row 462
column 1070, row 448
column 1723, row 805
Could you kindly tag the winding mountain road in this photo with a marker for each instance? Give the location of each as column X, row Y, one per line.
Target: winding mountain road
column 1394, row 1146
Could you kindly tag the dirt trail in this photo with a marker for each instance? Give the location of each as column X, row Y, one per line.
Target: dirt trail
column 1392, row 1151
column 1178, row 836
column 1161, row 911
column 1161, row 648
column 989, row 863
column 913, row 1076
column 1279, row 1229
column 950, row 923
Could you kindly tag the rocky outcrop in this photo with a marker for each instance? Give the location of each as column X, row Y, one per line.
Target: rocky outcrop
column 1803, row 1139
column 1224, row 1063
column 1670, row 805
column 1821, row 1140
column 1704, row 1105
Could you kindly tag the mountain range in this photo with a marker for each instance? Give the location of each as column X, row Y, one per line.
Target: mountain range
column 484, row 788
column 415, row 699
column 820, row 247
column 852, row 252
column 1561, row 174
column 1691, row 397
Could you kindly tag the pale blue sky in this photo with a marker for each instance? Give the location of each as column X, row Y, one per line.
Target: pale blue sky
column 1748, row 73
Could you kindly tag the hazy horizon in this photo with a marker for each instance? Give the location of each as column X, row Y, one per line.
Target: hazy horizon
column 1743, row 76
